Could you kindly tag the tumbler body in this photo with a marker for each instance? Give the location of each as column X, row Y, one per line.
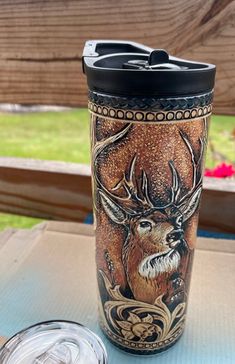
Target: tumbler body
column 147, row 162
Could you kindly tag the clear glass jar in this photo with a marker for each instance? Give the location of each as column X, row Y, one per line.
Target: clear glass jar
column 54, row 342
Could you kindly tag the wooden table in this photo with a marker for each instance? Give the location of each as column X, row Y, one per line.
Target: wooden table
column 49, row 273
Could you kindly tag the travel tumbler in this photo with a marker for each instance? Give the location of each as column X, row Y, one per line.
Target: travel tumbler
column 149, row 127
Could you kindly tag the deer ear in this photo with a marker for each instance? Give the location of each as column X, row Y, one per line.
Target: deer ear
column 189, row 207
column 112, row 209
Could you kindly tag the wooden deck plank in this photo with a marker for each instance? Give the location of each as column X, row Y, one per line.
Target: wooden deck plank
column 62, row 191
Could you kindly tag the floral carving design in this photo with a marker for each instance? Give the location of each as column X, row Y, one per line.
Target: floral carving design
column 141, row 324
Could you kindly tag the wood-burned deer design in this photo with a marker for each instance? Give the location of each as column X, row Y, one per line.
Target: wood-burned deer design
column 155, row 253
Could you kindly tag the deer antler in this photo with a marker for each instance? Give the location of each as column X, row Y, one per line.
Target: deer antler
column 197, row 164
column 129, row 184
column 197, row 169
column 131, row 188
column 145, row 190
column 99, row 146
column 176, row 184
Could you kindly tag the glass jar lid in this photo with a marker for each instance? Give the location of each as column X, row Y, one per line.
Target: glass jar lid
column 54, row 342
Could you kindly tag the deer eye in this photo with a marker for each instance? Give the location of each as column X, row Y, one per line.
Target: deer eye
column 146, row 225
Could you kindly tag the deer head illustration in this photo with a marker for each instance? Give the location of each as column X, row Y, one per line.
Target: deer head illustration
column 155, row 243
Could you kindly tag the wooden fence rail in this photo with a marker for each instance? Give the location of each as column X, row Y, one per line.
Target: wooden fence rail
column 62, row 191
column 41, row 42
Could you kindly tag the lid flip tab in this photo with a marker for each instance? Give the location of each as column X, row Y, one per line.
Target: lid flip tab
column 157, row 59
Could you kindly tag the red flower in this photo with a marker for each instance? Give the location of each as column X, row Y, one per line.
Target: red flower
column 223, row 170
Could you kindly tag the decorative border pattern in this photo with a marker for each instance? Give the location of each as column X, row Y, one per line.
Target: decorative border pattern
column 144, row 348
column 151, row 103
column 149, row 116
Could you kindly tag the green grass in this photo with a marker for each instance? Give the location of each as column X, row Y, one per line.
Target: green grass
column 222, row 138
column 15, row 221
column 52, row 135
column 65, row 136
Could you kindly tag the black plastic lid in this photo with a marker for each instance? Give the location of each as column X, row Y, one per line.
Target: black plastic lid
column 131, row 69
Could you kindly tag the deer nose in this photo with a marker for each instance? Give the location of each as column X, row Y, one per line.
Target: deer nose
column 175, row 235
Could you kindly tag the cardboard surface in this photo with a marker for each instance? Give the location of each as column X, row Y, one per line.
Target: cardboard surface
column 49, row 273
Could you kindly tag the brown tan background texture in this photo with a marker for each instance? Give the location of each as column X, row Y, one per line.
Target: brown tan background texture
column 153, row 153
